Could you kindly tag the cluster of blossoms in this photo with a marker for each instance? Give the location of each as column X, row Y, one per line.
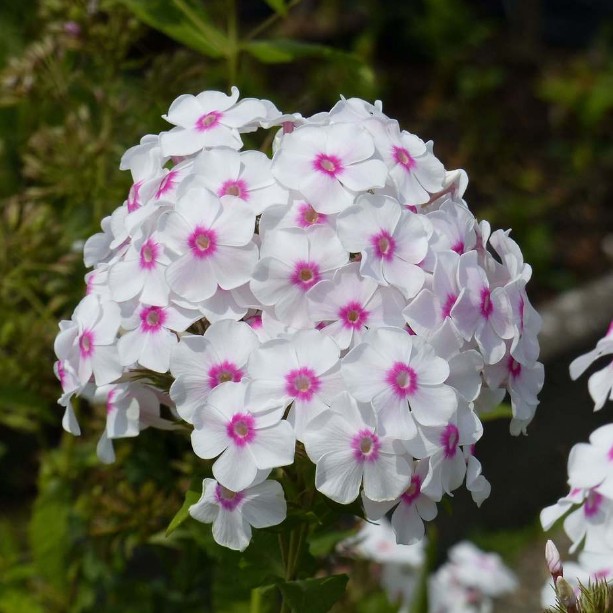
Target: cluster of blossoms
column 339, row 294
column 588, row 507
column 469, row 581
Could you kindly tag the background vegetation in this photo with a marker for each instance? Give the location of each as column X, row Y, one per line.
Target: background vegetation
column 520, row 94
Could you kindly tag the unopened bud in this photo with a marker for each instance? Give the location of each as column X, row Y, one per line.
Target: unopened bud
column 566, row 594
column 554, row 564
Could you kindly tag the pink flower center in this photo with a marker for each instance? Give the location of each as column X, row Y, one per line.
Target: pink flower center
column 228, row 499
column 329, row 165
column 409, row 330
column 402, row 378
column 486, row 303
column 223, row 372
column 404, row 158
column 133, row 202
column 592, row 503
column 149, row 253
column 305, row 275
column 61, row 373
column 152, row 318
column 353, row 315
column 365, row 445
column 308, row 216
column 603, row 573
column 411, row 207
column 110, row 401
column 449, row 302
column 241, row 428
column 255, row 321
column 610, row 455
column 384, row 245
column 458, row 247
column 86, row 343
column 208, row 121
column 202, row 242
column 450, row 438
column 302, row 383
column 236, row 188
column 514, row 368
column 413, row 492
column 166, row 184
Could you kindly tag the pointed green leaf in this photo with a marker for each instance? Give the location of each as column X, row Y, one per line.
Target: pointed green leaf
column 314, row 595
column 184, row 21
column 278, row 6
column 191, row 497
column 279, row 51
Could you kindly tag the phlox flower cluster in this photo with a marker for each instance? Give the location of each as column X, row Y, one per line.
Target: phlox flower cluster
column 334, row 292
column 588, row 507
column 469, row 581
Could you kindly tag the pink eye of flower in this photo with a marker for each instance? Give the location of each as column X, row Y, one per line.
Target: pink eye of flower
column 208, row 121
column 133, row 202
column 308, row 216
column 449, row 440
column 302, row 383
column 329, row 165
column 402, row 378
column 241, row 429
column 449, row 302
column 166, row 184
column 384, row 245
column 610, row 455
column 228, row 499
column 365, row 445
column 458, row 247
column 404, row 158
column 413, row 491
column 149, row 253
column 353, row 315
column 224, row 372
column 486, row 303
column 86, row 343
column 305, row 275
column 236, row 188
column 514, row 368
column 592, row 503
column 152, row 318
column 110, row 401
column 202, row 242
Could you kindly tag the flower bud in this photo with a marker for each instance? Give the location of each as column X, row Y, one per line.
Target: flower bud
column 554, row 564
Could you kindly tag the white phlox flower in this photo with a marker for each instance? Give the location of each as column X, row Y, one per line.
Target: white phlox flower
column 201, row 363
column 346, row 445
column 247, row 435
column 233, row 514
column 600, row 384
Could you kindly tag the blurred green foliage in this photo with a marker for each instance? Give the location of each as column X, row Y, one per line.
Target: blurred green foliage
column 81, row 81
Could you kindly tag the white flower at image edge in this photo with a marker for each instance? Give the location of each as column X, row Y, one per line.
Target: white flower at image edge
column 233, row 514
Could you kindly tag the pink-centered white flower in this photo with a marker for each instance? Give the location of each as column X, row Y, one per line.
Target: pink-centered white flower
column 87, row 342
column 212, row 245
column 210, row 119
column 346, row 444
column 591, row 464
column 403, row 378
column 243, row 178
column 350, row 304
column 201, row 363
column 247, row 435
column 392, row 242
column 297, row 214
column 150, row 335
column 412, row 508
column 329, row 165
column 233, row 514
column 303, row 370
column 292, row 262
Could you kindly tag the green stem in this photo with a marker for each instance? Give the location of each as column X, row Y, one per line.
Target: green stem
column 270, row 21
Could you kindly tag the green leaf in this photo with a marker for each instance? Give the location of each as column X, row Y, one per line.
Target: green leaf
column 191, row 497
column 264, row 599
column 279, row 51
column 321, row 544
column 278, row 6
column 183, row 21
column 314, row 595
column 502, row 411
